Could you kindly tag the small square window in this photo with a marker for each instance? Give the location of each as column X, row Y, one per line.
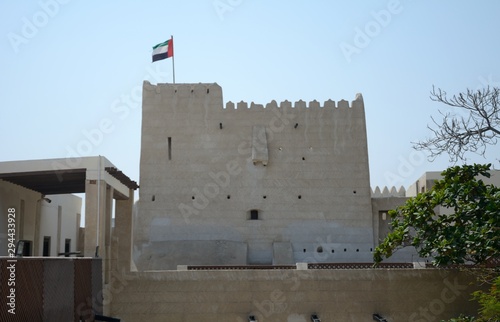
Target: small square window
column 254, row 214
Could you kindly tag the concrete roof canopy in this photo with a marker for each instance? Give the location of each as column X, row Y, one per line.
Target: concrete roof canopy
column 64, row 176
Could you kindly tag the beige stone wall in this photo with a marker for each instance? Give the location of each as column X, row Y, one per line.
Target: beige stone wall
column 426, row 181
column 291, row 295
column 303, row 167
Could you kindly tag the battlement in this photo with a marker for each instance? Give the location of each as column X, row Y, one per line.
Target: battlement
column 213, row 89
column 300, row 104
column 386, row 192
column 183, row 89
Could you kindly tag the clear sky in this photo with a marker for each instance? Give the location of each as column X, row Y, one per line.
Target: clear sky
column 68, row 66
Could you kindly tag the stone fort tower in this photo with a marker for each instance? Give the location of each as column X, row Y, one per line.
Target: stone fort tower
column 250, row 184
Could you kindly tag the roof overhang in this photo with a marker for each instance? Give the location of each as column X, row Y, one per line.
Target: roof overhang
column 65, row 176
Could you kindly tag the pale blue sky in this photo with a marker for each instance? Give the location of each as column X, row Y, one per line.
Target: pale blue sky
column 67, row 66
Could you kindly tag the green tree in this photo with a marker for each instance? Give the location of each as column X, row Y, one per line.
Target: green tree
column 469, row 231
column 463, row 318
column 489, row 302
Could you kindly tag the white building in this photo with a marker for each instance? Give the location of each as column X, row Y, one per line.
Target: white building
column 49, row 225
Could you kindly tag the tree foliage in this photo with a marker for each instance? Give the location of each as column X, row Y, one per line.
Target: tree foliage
column 489, row 302
column 478, row 127
column 469, row 229
column 489, row 305
column 463, row 318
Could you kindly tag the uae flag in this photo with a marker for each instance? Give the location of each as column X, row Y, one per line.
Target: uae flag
column 163, row 50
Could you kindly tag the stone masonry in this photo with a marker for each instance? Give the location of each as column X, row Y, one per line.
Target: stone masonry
column 250, row 183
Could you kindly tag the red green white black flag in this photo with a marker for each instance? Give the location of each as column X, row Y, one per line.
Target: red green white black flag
column 165, row 50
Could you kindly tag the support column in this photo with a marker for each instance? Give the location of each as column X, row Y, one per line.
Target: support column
column 121, row 245
column 59, row 226
column 106, row 251
column 123, row 233
column 94, row 226
column 36, row 241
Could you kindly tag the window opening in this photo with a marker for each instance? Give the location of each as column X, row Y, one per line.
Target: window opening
column 67, row 247
column 46, row 246
column 254, row 214
column 169, row 148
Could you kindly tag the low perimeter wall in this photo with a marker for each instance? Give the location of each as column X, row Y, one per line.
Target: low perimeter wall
column 48, row 289
column 291, row 295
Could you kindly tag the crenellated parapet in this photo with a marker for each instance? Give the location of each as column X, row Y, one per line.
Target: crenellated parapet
column 197, row 89
column 163, row 93
column 300, row 104
column 386, row 192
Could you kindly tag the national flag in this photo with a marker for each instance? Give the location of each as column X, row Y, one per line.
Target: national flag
column 163, row 50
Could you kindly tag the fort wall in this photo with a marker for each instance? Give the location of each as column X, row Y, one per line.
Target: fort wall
column 250, row 182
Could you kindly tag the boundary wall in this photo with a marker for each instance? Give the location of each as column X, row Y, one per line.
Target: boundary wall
column 292, row 295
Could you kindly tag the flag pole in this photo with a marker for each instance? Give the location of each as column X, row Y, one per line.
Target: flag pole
column 173, row 57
